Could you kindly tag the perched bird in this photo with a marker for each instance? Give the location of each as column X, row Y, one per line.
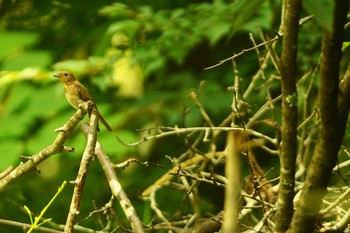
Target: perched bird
column 76, row 93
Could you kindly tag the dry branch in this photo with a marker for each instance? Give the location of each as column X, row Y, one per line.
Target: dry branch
column 116, row 187
column 233, row 186
column 83, row 170
column 56, row 147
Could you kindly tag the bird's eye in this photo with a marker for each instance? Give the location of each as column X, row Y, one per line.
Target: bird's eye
column 66, row 74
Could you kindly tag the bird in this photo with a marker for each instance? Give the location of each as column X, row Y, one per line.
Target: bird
column 76, row 93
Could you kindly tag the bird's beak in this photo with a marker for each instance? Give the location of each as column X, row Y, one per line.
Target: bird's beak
column 56, row 75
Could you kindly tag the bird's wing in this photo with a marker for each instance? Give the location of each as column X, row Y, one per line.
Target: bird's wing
column 83, row 92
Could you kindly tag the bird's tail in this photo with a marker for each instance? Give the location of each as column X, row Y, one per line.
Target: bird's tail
column 104, row 122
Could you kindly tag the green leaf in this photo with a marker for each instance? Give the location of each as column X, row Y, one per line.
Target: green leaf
column 116, row 10
column 262, row 18
column 113, row 147
column 14, row 41
column 75, row 66
column 23, row 60
column 322, row 11
column 13, row 126
column 45, row 221
column 244, row 12
column 29, row 213
column 345, row 45
column 45, row 135
column 214, row 34
column 10, row 148
column 129, row 27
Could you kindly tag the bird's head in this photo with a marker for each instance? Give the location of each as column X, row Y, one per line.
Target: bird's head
column 65, row 76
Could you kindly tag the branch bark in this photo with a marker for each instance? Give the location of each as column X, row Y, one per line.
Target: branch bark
column 233, row 185
column 333, row 122
column 56, row 147
column 83, row 170
column 116, row 187
column 284, row 205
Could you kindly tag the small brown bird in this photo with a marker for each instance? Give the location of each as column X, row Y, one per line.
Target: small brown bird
column 76, row 93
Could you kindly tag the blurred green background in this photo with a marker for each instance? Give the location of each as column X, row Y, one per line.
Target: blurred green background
column 139, row 60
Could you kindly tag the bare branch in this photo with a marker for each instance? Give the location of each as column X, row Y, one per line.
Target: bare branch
column 116, row 188
column 134, row 160
column 54, row 148
column 340, row 225
column 175, row 131
column 234, row 56
column 27, row 226
column 83, row 170
column 233, row 186
column 335, row 203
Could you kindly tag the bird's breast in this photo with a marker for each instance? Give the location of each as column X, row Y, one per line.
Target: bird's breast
column 73, row 96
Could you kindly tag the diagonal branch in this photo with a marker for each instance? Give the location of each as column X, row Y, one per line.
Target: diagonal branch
column 234, row 56
column 116, row 187
column 56, row 147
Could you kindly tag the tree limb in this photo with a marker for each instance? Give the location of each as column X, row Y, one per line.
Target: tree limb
column 116, row 187
column 333, row 123
column 83, row 170
column 284, row 205
column 56, row 147
column 233, row 186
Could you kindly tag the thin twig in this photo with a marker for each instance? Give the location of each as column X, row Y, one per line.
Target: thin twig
column 175, row 131
column 182, row 172
column 335, row 203
column 134, row 160
column 105, row 208
column 26, row 225
column 154, row 205
column 235, row 55
column 258, row 227
column 340, row 225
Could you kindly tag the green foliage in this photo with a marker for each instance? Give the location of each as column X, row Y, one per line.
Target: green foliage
column 16, row 41
column 172, row 41
column 16, row 52
column 292, row 100
column 322, row 11
column 35, row 222
column 172, row 34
